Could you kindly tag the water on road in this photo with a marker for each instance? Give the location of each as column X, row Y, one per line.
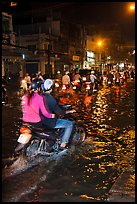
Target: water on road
column 85, row 173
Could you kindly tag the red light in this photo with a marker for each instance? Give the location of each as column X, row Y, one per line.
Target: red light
column 25, row 130
column 13, row 4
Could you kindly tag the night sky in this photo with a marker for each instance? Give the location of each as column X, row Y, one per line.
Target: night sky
column 83, row 12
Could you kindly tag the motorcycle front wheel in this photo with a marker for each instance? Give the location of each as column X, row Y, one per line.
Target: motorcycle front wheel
column 79, row 135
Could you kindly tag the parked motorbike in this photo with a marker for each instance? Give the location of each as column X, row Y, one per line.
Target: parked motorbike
column 4, row 91
column 4, row 94
column 46, row 141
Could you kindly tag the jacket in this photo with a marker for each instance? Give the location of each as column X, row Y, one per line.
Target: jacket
column 32, row 111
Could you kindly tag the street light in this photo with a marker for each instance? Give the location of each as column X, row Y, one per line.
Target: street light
column 131, row 7
column 99, row 48
column 99, row 43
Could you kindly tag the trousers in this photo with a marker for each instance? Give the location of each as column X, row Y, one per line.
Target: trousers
column 67, row 125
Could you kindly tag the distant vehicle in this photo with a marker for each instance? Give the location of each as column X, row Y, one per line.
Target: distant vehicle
column 84, row 73
column 4, row 91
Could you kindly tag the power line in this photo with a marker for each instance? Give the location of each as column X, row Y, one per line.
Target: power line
column 42, row 50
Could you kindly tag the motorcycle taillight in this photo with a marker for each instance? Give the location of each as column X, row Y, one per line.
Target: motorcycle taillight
column 63, row 87
column 25, row 130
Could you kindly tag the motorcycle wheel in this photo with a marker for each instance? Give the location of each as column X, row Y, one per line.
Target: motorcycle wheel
column 6, row 99
column 79, row 135
column 30, row 151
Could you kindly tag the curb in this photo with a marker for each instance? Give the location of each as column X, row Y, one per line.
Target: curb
column 123, row 190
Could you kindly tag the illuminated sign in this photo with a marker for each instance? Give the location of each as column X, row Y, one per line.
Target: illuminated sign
column 90, row 54
column 75, row 58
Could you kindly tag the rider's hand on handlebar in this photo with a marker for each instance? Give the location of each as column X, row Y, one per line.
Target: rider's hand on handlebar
column 70, row 111
column 53, row 115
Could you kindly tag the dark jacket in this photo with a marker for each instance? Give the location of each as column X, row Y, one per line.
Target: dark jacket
column 53, row 107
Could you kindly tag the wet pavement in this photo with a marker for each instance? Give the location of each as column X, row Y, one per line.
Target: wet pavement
column 123, row 190
column 102, row 169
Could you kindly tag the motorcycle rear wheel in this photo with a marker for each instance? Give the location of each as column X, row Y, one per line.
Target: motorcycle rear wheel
column 30, row 151
column 79, row 135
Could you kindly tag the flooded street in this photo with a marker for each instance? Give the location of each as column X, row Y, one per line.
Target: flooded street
column 85, row 173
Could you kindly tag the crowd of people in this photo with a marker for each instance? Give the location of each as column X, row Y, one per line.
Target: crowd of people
column 39, row 106
column 109, row 78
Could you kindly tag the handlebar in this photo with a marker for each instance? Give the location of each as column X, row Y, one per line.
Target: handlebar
column 72, row 111
column 66, row 106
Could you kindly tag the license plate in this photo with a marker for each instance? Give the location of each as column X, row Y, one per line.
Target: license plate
column 24, row 138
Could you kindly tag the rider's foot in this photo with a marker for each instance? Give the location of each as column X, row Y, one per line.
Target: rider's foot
column 63, row 144
column 63, row 148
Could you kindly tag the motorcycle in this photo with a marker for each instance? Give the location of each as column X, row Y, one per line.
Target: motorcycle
column 117, row 81
column 4, row 94
column 109, row 83
column 57, row 84
column 91, row 88
column 88, row 88
column 65, row 87
column 76, row 85
column 46, row 141
column 4, row 91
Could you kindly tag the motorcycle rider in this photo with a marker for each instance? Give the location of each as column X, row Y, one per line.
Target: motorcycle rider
column 32, row 104
column 27, row 78
column 77, row 78
column 93, row 79
column 53, row 106
column 110, row 77
column 66, row 79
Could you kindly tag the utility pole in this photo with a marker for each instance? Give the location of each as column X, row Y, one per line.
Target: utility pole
column 83, row 46
column 49, row 68
column 49, row 65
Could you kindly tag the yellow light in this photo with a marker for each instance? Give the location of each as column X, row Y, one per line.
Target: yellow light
column 99, row 43
column 132, row 6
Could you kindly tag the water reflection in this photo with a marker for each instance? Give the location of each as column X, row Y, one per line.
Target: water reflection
column 88, row 172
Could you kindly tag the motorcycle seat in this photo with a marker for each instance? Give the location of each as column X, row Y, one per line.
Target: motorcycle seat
column 39, row 129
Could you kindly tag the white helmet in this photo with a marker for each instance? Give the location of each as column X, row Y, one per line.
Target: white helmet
column 92, row 72
column 48, row 83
